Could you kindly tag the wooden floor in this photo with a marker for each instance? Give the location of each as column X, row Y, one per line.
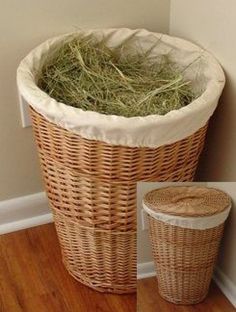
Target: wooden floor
column 33, row 279
column 149, row 300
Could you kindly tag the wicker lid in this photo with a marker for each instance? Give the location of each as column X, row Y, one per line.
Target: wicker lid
column 187, row 201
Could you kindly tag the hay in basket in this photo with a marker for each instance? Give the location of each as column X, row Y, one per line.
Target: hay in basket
column 123, row 81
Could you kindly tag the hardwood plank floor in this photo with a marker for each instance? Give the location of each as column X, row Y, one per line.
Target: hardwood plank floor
column 33, row 278
column 148, row 300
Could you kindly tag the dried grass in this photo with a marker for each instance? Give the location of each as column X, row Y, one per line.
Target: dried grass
column 124, row 81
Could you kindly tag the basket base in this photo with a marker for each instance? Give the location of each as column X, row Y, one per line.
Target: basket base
column 182, row 301
column 111, row 289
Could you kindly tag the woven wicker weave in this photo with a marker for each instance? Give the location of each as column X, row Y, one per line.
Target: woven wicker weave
column 185, row 258
column 91, row 186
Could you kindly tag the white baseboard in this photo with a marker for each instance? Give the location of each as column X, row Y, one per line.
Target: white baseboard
column 25, row 223
column 145, row 270
column 227, row 287
column 24, row 212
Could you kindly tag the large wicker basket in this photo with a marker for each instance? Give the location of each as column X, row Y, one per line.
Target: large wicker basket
column 91, row 186
column 91, row 162
column 186, row 226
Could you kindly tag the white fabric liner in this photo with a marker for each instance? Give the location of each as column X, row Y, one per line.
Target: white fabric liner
column 149, row 131
column 197, row 223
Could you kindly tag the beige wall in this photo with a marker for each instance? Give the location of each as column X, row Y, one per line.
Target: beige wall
column 24, row 24
column 212, row 24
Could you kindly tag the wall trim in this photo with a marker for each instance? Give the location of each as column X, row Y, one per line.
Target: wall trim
column 145, row 270
column 25, row 223
column 24, row 212
column 227, row 287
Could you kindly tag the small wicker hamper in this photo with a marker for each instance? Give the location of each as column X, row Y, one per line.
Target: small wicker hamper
column 186, row 226
column 91, row 162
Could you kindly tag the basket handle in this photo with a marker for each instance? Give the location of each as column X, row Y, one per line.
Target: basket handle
column 179, row 198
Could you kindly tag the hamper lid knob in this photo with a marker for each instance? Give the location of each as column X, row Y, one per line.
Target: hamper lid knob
column 187, row 201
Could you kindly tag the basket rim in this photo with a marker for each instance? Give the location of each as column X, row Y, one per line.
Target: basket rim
column 226, row 201
column 97, row 126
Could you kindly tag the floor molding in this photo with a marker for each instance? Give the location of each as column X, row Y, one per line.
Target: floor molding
column 227, row 287
column 25, row 223
column 145, row 270
column 24, row 212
